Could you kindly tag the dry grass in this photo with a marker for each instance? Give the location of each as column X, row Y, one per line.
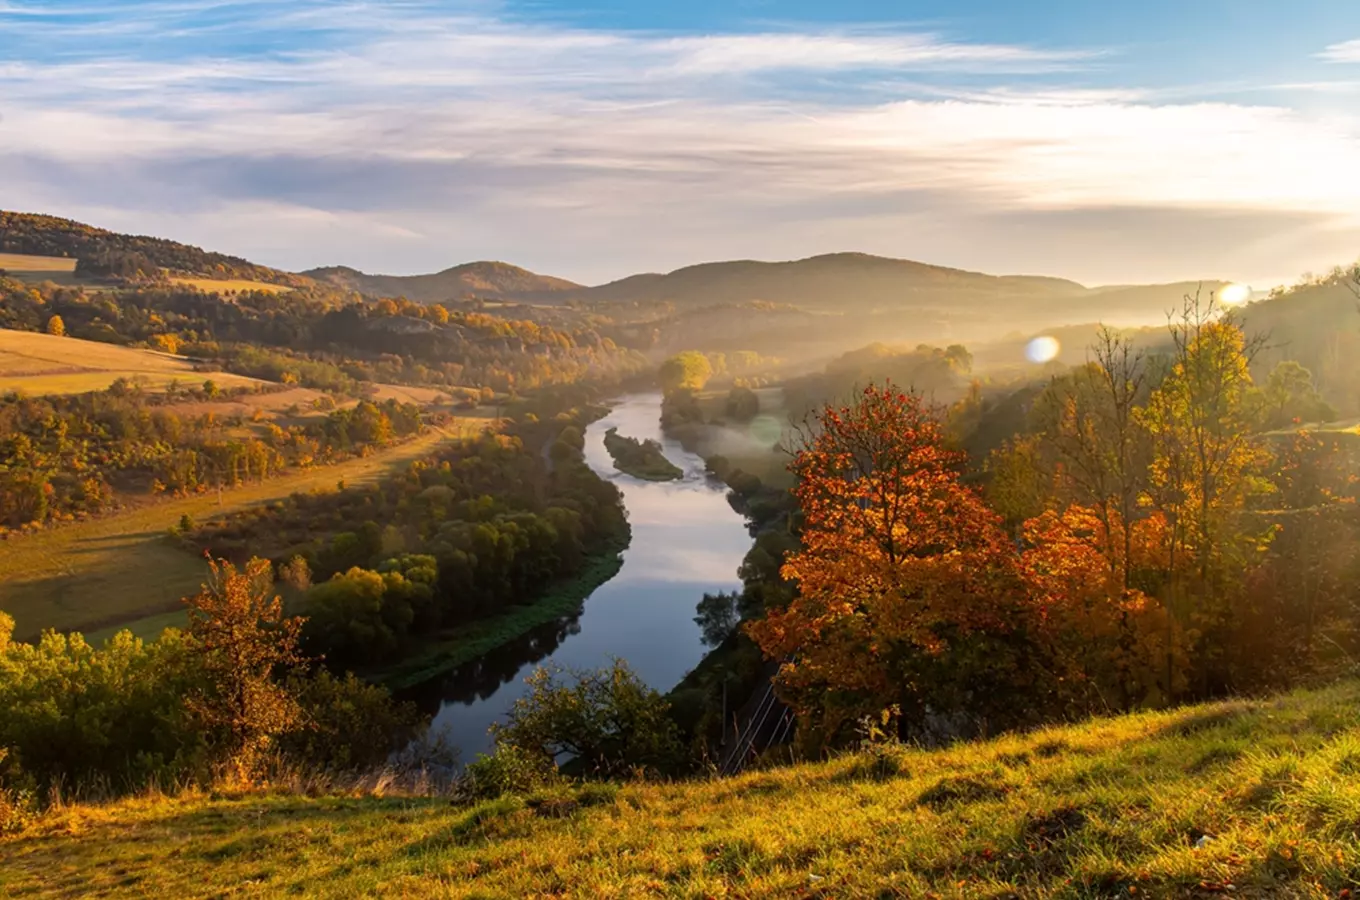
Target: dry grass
column 122, row 568
column 22, row 263
column 230, row 285
column 404, row 393
column 1243, row 799
column 45, row 364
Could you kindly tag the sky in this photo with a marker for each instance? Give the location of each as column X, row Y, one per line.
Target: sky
column 1108, row 142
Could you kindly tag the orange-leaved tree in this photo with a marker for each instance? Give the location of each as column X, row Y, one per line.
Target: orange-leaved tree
column 247, row 644
column 1109, row 642
column 909, row 593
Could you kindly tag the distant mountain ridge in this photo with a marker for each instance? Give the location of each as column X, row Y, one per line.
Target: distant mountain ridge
column 848, row 283
column 831, row 283
column 474, row 279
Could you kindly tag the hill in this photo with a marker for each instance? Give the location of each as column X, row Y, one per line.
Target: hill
column 860, row 283
column 475, row 279
column 1244, row 799
column 108, row 252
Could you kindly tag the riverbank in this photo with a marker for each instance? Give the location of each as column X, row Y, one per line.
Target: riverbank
column 464, row 644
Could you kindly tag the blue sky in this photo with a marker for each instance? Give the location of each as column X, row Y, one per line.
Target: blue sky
column 1107, row 142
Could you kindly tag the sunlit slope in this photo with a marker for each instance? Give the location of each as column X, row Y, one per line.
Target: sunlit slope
column 46, row 364
column 1263, row 796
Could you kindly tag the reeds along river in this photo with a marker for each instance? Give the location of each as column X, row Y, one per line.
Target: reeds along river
column 686, row 541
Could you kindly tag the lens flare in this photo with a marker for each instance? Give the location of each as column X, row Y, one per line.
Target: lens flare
column 1234, row 294
column 1042, row 349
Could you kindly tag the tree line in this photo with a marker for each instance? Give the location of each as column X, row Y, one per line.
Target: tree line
column 1151, row 537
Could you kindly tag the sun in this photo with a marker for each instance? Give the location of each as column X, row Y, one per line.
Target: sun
column 1042, row 349
column 1234, row 294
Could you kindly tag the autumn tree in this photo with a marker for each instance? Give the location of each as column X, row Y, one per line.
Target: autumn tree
column 690, row 370
column 56, row 326
column 1088, row 424
column 908, row 592
column 1205, row 462
column 247, row 645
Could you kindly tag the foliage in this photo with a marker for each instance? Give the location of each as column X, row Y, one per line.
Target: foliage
column 246, row 645
column 690, row 370
column 71, row 455
column 608, row 722
column 908, row 590
column 641, row 459
column 742, row 404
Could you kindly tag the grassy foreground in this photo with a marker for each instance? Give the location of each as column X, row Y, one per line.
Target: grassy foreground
column 1243, row 799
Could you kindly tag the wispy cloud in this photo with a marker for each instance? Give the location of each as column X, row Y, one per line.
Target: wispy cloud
column 1345, row 52
column 407, row 137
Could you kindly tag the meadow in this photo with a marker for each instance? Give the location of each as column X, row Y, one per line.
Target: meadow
column 47, row 364
column 1245, row 798
column 229, row 285
column 23, row 263
column 123, row 569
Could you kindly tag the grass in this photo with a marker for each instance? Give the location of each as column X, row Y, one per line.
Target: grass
column 122, row 569
column 462, row 645
column 1256, row 799
column 46, row 364
column 225, row 285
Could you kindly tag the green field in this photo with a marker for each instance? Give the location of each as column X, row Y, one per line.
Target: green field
column 46, row 364
column 1252, row 799
column 123, row 568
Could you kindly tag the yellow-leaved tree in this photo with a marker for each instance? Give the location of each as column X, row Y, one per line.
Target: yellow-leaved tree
column 1206, row 463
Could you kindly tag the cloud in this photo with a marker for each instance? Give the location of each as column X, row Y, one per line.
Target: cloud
column 1345, row 52
column 403, row 138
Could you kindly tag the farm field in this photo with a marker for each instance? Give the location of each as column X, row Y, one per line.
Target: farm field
column 230, row 285
column 17, row 263
column 46, row 364
column 123, row 568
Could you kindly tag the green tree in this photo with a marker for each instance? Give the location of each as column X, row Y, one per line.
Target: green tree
column 742, row 404
column 608, row 721
column 1290, row 396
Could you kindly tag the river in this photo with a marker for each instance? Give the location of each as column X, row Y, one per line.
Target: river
column 686, row 541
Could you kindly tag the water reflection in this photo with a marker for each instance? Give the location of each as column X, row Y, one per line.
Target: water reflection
column 686, row 541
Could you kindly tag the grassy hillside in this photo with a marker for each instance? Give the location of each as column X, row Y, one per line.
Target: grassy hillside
column 45, row 364
column 477, row 279
column 1245, row 799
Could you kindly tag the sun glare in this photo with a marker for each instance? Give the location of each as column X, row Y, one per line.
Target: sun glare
column 1234, row 295
column 1042, row 349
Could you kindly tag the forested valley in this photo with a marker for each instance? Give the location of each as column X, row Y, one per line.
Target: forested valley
column 945, row 541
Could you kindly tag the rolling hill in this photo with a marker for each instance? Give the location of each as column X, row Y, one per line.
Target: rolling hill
column 475, row 279
column 837, row 283
column 37, row 235
column 958, row 302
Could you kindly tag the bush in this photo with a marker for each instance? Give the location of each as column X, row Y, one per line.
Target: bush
column 509, row 770
column 608, row 722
